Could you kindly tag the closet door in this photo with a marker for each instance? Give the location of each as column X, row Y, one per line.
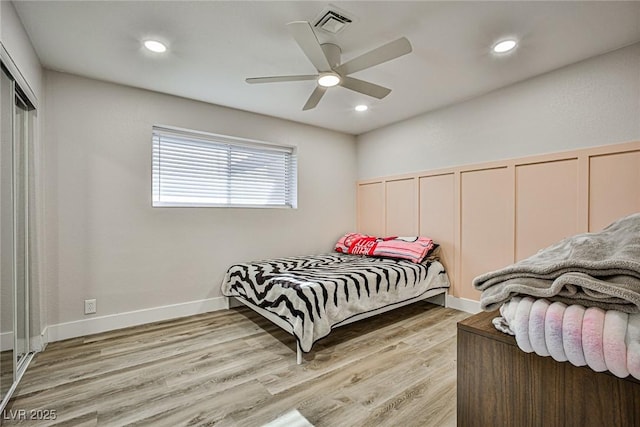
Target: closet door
column 16, row 125
column 21, row 135
column 7, row 231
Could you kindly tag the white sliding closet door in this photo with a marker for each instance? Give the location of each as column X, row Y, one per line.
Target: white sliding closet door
column 7, row 231
column 16, row 126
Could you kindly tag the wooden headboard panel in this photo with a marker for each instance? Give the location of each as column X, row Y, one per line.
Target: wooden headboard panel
column 489, row 215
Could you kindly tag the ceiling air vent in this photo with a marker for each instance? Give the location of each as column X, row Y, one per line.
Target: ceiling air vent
column 332, row 22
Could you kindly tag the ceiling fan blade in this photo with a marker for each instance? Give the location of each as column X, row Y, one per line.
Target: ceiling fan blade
column 377, row 56
column 277, row 79
column 365, row 87
column 308, row 42
column 315, row 97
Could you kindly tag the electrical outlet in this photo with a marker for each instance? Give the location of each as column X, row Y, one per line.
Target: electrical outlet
column 90, row 306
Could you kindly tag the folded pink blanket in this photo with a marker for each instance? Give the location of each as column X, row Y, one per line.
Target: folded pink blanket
column 632, row 340
column 592, row 333
column 572, row 334
column 553, row 331
column 615, row 349
column 603, row 340
column 536, row 326
column 521, row 324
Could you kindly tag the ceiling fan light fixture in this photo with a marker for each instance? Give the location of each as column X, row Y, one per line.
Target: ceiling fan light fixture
column 504, row 46
column 325, row 58
column 329, row 79
column 155, row 46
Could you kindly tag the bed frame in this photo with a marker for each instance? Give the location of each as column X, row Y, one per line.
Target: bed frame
column 439, row 296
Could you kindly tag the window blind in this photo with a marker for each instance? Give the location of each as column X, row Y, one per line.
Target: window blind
column 198, row 169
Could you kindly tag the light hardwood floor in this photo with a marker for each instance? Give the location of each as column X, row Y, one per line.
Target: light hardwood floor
column 234, row 368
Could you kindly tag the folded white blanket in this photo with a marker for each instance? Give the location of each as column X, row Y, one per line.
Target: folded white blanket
column 603, row 340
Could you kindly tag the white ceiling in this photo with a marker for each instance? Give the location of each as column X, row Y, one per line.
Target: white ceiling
column 215, row 45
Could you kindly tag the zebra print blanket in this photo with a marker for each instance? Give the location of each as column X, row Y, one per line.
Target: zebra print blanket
column 314, row 293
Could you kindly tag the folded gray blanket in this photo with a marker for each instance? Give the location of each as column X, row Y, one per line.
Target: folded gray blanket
column 592, row 269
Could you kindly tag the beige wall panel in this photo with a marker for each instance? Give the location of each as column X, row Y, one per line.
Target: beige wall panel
column 371, row 208
column 614, row 188
column 486, row 225
column 546, row 205
column 401, row 208
column 437, row 217
column 486, row 216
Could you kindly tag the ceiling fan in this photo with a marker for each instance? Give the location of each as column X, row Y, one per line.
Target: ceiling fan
column 326, row 58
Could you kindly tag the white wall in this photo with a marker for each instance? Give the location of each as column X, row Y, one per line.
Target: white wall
column 590, row 103
column 16, row 42
column 110, row 244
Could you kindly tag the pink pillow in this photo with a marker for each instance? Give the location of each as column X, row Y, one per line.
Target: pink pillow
column 414, row 249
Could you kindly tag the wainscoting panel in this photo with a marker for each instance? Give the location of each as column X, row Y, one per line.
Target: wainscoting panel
column 614, row 187
column 371, row 212
column 486, row 228
column 401, row 208
column 486, row 216
column 437, row 216
column 546, row 205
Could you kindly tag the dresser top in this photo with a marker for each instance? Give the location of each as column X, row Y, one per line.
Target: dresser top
column 481, row 324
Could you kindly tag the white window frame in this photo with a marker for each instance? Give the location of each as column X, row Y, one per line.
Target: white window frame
column 236, row 147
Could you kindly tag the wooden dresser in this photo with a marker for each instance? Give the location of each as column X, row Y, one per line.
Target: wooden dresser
column 500, row 385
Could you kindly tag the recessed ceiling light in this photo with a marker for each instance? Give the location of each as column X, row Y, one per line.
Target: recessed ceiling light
column 504, row 46
column 361, row 107
column 328, row 79
column 155, row 46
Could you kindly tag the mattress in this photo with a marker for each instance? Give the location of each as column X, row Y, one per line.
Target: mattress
column 315, row 293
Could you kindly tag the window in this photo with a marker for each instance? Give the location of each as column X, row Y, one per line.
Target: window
column 199, row 169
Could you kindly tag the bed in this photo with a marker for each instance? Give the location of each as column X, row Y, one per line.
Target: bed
column 308, row 296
